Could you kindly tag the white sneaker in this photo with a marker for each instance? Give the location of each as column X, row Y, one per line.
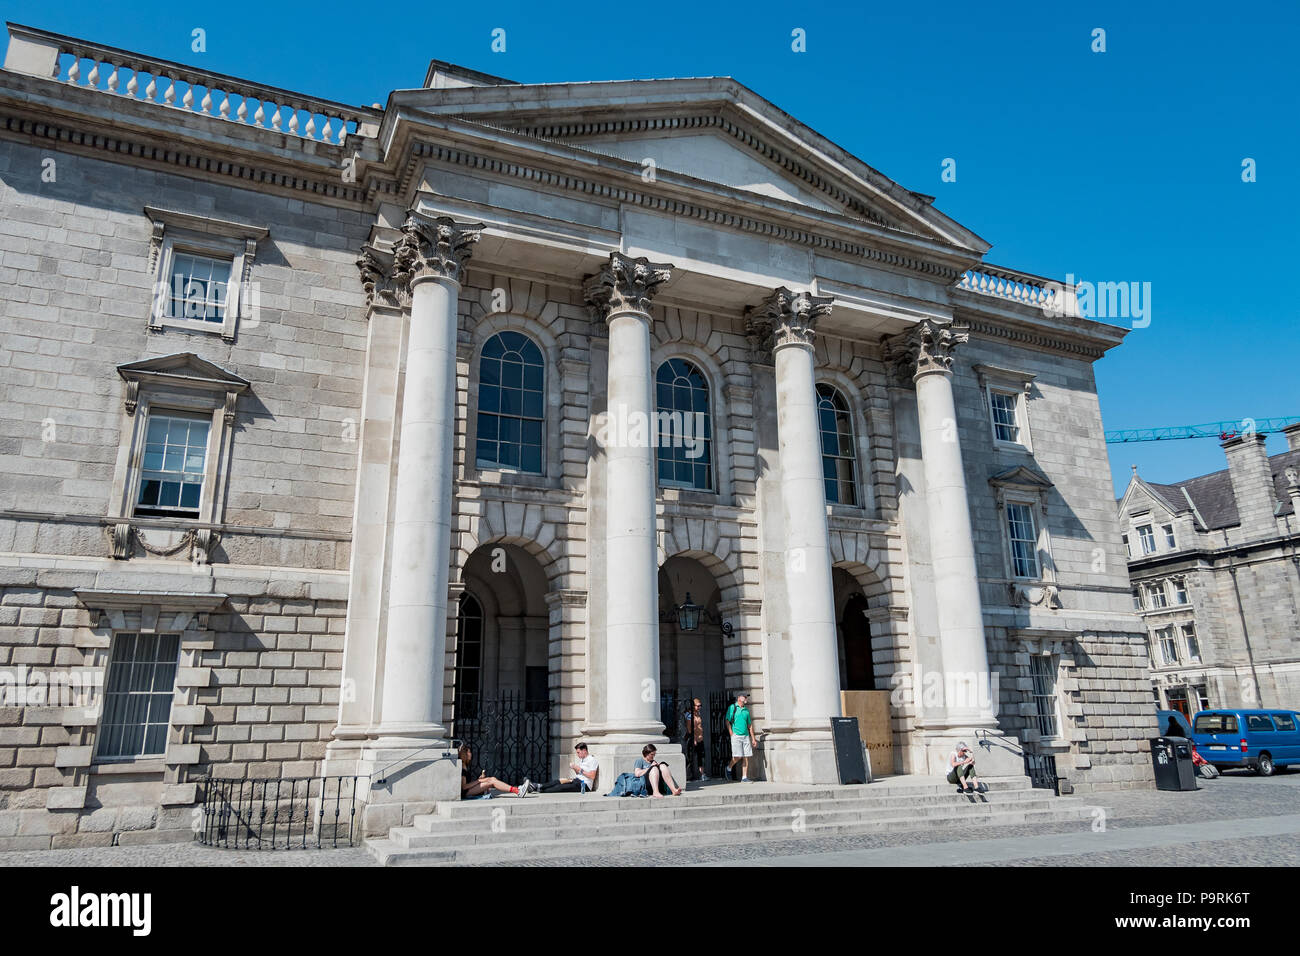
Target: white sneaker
column 745, row 780
column 704, row 776
column 523, row 789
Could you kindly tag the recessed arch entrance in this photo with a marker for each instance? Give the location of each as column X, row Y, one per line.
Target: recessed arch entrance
column 501, row 700
column 692, row 661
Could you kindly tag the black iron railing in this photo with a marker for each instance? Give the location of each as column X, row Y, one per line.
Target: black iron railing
column 1039, row 768
column 1041, row 771
column 301, row 813
column 509, row 735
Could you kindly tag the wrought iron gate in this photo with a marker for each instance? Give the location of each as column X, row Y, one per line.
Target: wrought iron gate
column 719, row 737
column 509, row 741
column 1041, row 771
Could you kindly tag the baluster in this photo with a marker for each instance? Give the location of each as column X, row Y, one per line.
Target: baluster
column 260, row 115
column 343, row 129
column 169, row 98
column 133, row 84
column 310, row 131
column 326, row 133
column 275, row 119
column 93, row 79
column 112, row 79
column 225, row 106
column 206, row 105
column 74, row 71
column 241, row 114
column 151, row 91
column 188, row 99
column 293, row 121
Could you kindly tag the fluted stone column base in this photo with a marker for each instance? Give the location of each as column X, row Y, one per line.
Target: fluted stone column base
column 404, row 782
column 617, row 756
column 801, row 756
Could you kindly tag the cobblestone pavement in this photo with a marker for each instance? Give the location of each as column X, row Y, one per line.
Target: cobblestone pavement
column 1234, row 796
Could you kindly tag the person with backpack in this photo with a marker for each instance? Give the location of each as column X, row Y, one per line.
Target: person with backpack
column 741, row 725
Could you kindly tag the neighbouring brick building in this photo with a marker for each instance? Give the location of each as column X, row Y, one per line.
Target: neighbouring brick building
column 1214, row 563
column 329, row 430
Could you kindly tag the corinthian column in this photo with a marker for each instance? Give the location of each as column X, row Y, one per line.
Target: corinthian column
column 925, row 354
column 428, row 259
column 620, row 294
column 786, row 322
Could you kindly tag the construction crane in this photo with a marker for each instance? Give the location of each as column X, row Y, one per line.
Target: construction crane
column 1219, row 430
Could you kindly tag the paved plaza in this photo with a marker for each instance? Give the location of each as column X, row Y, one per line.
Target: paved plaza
column 1237, row 820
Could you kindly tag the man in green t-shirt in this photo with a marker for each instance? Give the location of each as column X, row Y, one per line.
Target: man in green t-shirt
column 741, row 724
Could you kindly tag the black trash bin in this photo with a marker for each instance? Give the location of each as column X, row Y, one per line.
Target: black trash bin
column 1171, row 759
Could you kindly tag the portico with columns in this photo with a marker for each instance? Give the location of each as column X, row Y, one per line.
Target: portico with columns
column 608, row 305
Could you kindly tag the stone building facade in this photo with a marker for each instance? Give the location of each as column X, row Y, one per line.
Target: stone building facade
column 1214, row 563
column 324, row 423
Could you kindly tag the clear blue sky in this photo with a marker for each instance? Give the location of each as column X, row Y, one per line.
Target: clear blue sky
column 1119, row 166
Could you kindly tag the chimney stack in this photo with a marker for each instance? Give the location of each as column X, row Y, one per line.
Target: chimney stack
column 1252, row 484
column 1292, row 433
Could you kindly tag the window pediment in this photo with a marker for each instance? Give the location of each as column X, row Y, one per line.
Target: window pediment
column 181, row 370
column 1022, row 478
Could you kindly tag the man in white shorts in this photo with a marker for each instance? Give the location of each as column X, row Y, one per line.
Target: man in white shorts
column 741, row 724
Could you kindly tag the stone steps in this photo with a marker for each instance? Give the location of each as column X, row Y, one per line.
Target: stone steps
column 665, row 814
column 510, row 828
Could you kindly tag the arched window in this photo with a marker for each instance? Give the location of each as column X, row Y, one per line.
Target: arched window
column 469, row 656
column 839, row 452
column 685, row 426
column 511, row 404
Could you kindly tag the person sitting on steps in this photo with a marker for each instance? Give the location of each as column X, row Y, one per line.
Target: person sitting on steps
column 476, row 784
column 586, row 769
column 961, row 763
column 646, row 766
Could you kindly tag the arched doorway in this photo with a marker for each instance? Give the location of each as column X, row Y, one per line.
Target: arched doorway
column 501, row 703
column 692, row 662
column 857, row 667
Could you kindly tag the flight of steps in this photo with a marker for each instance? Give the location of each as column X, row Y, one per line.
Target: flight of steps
column 508, row 828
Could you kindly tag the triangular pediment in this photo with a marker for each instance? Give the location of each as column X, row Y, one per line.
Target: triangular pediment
column 183, row 368
column 1021, row 476
column 709, row 130
column 717, row 158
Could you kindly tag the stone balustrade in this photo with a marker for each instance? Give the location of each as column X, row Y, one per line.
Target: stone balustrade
column 1020, row 287
column 115, row 72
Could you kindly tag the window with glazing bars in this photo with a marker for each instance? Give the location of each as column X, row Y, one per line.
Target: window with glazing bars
column 175, row 460
column 1024, row 541
column 839, row 454
column 469, row 657
column 511, row 404
column 1043, row 671
column 1006, row 426
column 138, row 696
column 199, row 287
column 684, row 453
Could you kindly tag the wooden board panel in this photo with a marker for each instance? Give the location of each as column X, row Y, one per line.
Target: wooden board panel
column 871, row 707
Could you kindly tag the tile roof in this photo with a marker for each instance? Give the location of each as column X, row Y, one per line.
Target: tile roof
column 1213, row 497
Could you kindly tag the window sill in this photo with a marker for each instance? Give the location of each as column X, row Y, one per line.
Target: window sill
column 1012, row 446
column 124, row 765
column 224, row 328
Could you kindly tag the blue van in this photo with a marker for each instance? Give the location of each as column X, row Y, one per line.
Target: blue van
column 1260, row 739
